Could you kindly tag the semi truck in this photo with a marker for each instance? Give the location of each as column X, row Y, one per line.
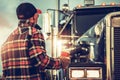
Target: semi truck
column 96, row 53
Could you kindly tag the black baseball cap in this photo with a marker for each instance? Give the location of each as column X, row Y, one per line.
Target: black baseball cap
column 26, row 10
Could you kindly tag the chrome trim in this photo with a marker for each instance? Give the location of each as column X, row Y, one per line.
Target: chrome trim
column 110, row 45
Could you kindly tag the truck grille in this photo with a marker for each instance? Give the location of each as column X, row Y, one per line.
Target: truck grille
column 116, row 53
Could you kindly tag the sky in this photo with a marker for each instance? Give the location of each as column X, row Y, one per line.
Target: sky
column 8, row 18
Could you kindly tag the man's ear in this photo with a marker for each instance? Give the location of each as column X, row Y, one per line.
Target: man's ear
column 32, row 19
column 36, row 15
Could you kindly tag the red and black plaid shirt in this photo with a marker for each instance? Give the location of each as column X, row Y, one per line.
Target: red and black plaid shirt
column 24, row 55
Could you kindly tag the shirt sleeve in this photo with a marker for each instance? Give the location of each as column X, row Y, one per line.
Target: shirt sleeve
column 38, row 55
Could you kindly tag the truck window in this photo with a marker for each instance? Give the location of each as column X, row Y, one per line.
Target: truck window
column 85, row 18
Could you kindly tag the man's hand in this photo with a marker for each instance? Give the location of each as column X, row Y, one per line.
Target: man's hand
column 65, row 62
column 65, row 54
column 65, row 59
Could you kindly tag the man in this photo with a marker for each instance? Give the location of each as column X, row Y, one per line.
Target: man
column 23, row 53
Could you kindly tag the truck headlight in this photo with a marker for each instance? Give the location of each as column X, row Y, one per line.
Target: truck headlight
column 77, row 73
column 85, row 73
column 93, row 73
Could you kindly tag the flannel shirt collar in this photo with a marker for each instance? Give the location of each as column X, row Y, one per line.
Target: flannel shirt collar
column 25, row 25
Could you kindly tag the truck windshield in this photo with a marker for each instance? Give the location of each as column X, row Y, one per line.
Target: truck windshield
column 85, row 18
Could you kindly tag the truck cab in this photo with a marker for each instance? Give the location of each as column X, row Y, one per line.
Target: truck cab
column 96, row 55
